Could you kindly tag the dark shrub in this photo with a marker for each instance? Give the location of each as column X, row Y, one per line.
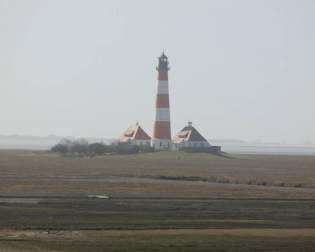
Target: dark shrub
column 98, row 148
column 125, row 148
column 145, row 148
column 79, row 147
column 60, row 148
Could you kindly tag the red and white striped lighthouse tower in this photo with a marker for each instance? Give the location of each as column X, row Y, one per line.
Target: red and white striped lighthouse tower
column 162, row 126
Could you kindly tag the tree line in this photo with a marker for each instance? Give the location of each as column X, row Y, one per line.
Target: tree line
column 84, row 148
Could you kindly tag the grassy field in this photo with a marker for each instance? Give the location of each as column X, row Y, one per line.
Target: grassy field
column 167, row 174
column 158, row 202
column 163, row 240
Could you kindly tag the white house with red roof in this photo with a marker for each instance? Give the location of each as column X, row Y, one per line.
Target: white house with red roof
column 189, row 137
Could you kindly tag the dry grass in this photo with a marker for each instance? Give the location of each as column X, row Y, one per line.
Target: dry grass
column 163, row 240
column 100, row 234
column 161, row 202
column 169, row 174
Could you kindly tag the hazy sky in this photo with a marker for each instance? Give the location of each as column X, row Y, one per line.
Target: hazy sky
column 239, row 69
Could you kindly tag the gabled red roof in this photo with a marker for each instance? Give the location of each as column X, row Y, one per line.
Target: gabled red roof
column 134, row 132
column 189, row 133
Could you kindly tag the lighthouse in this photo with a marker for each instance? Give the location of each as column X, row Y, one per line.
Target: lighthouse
column 161, row 139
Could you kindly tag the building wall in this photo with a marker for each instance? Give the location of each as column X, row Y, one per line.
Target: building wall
column 138, row 142
column 162, row 144
column 192, row 144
